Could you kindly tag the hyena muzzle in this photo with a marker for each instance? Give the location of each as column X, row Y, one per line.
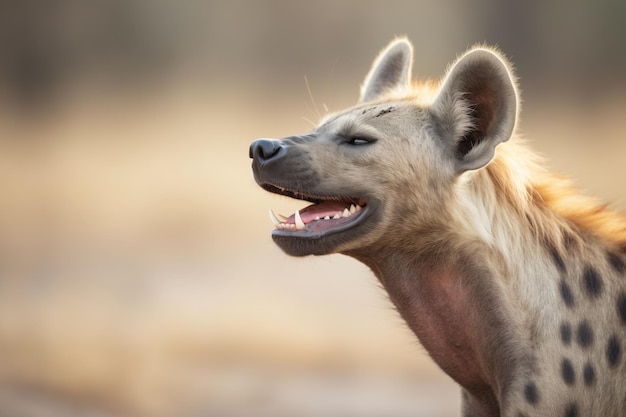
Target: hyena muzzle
column 512, row 282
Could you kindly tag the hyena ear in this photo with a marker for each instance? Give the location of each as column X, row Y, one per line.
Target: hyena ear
column 390, row 70
column 476, row 108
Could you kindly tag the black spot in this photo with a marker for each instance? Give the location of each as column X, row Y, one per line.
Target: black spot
column 613, row 351
column 567, row 372
column 385, row 111
column 566, row 294
column 566, row 334
column 571, row 410
column 589, row 374
column 556, row 257
column 584, row 335
column 617, row 262
column 531, row 394
column 621, row 307
column 568, row 240
column 592, row 281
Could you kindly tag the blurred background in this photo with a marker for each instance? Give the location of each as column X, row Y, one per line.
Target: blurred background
column 137, row 272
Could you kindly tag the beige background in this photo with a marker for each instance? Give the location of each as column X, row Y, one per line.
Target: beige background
column 137, row 272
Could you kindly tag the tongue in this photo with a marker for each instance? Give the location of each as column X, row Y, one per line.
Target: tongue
column 321, row 210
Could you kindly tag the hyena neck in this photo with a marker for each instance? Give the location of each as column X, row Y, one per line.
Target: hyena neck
column 449, row 288
column 451, row 306
column 510, row 235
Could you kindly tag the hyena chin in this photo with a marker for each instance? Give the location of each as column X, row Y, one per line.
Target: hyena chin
column 512, row 281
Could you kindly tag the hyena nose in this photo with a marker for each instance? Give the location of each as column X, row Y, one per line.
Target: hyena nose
column 264, row 149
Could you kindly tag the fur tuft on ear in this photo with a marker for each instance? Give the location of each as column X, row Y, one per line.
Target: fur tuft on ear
column 476, row 107
column 390, row 70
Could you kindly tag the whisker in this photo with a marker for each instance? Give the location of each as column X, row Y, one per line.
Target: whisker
column 308, row 88
column 306, row 119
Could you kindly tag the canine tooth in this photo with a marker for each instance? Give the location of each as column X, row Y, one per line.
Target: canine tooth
column 327, row 218
column 352, row 209
column 346, row 213
column 273, row 218
column 337, row 216
column 299, row 222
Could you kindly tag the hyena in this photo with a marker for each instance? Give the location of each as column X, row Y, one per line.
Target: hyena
column 513, row 282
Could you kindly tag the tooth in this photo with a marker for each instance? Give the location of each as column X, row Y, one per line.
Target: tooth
column 282, row 218
column 273, row 218
column 327, row 218
column 352, row 209
column 299, row 222
column 346, row 213
column 316, row 218
column 337, row 216
column 358, row 208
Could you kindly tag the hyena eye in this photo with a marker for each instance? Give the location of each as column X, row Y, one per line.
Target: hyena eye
column 359, row 141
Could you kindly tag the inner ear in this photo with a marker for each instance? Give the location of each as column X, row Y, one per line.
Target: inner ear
column 482, row 107
column 476, row 108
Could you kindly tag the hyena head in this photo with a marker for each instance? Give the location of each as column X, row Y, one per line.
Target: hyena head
column 380, row 173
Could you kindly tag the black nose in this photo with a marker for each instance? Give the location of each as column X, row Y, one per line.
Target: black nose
column 264, row 149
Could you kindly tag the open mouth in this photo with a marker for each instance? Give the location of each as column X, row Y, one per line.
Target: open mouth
column 331, row 214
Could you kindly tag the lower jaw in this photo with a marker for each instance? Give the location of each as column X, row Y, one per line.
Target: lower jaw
column 295, row 246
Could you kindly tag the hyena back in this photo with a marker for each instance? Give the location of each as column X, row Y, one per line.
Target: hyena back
column 513, row 282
